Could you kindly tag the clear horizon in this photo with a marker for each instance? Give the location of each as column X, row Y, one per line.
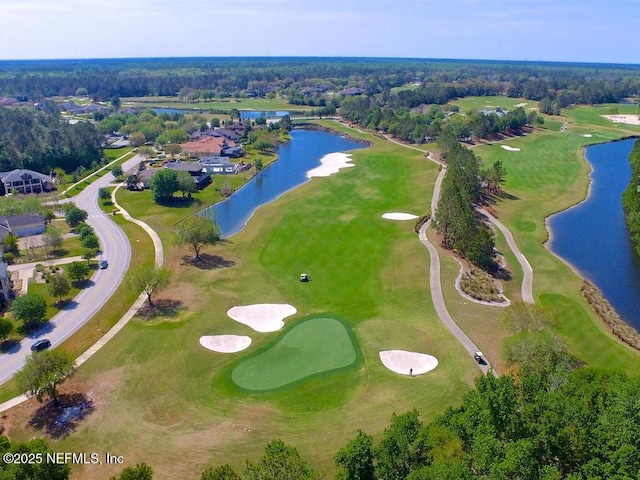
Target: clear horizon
column 572, row 31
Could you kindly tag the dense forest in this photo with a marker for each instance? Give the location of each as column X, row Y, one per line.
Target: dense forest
column 442, row 80
column 41, row 141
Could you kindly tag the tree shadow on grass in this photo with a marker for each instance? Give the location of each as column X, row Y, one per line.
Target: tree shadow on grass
column 178, row 202
column 162, row 307
column 207, row 262
column 59, row 419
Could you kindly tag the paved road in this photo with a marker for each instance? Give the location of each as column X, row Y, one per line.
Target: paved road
column 115, row 249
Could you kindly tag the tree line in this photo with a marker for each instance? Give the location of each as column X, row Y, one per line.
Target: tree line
column 225, row 77
column 631, row 198
column 456, row 219
column 40, row 141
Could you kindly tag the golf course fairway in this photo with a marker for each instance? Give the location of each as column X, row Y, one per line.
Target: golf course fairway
column 314, row 346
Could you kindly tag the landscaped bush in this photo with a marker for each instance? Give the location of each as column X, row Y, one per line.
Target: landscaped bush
column 480, row 285
column 606, row 312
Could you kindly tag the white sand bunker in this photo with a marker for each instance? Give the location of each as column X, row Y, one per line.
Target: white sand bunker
column 408, row 363
column 520, row 104
column 399, row 216
column 225, row 343
column 262, row 317
column 510, row 149
column 628, row 119
column 587, row 135
column 330, row 164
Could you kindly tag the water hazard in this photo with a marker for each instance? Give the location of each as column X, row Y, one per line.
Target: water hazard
column 295, row 159
column 593, row 236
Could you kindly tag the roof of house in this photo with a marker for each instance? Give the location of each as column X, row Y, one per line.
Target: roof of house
column 352, row 91
column 20, row 174
column 22, row 221
column 178, row 166
column 3, row 270
column 207, row 145
column 217, row 160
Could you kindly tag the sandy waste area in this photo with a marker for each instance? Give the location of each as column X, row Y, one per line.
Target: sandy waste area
column 628, row 119
column 399, row 216
column 225, row 343
column 408, row 363
column 330, row 164
column 262, row 317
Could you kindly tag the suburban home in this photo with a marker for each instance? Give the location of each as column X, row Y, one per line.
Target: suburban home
column 206, row 146
column 25, row 181
column 200, row 177
column 218, row 165
column 351, row 91
column 22, row 225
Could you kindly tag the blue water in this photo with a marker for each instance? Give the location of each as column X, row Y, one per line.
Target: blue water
column 255, row 114
column 175, row 110
column 295, row 159
column 593, row 237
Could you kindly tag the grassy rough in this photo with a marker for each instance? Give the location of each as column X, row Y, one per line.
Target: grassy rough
column 607, row 313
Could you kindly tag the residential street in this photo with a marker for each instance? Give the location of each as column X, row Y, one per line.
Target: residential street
column 115, row 249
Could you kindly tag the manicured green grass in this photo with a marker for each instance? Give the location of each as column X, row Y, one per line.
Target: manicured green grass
column 311, row 347
column 228, row 104
column 490, row 102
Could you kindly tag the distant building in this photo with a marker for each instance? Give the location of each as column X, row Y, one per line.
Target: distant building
column 352, row 91
column 25, row 181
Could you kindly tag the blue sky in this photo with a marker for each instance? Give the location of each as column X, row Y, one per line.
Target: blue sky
column 551, row 30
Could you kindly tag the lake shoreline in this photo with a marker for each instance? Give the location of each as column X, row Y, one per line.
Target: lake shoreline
column 623, row 329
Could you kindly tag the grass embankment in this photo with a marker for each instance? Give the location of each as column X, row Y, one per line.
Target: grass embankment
column 164, row 399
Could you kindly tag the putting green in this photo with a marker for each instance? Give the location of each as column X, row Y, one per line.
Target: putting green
column 311, row 347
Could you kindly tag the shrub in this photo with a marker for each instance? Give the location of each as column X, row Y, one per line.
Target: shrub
column 481, row 286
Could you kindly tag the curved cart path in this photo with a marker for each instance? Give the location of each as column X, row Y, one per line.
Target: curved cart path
column 434, row 271
column 527, row 271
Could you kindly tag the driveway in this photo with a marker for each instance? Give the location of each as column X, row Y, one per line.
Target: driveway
column 115, row 248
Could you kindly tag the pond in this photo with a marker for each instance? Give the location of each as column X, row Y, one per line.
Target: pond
column 245, row 114
column 592, row 236
column 295, row 159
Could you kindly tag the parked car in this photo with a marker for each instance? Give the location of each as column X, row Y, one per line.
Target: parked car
column 41, row 345
column 103, row 264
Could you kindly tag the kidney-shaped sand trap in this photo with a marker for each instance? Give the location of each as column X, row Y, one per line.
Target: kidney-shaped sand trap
column 330, row 164
column 587, row 135
column 408, row 363
column 262, row 317
column 225, row 343
column 510, row 149
column 399, row 216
